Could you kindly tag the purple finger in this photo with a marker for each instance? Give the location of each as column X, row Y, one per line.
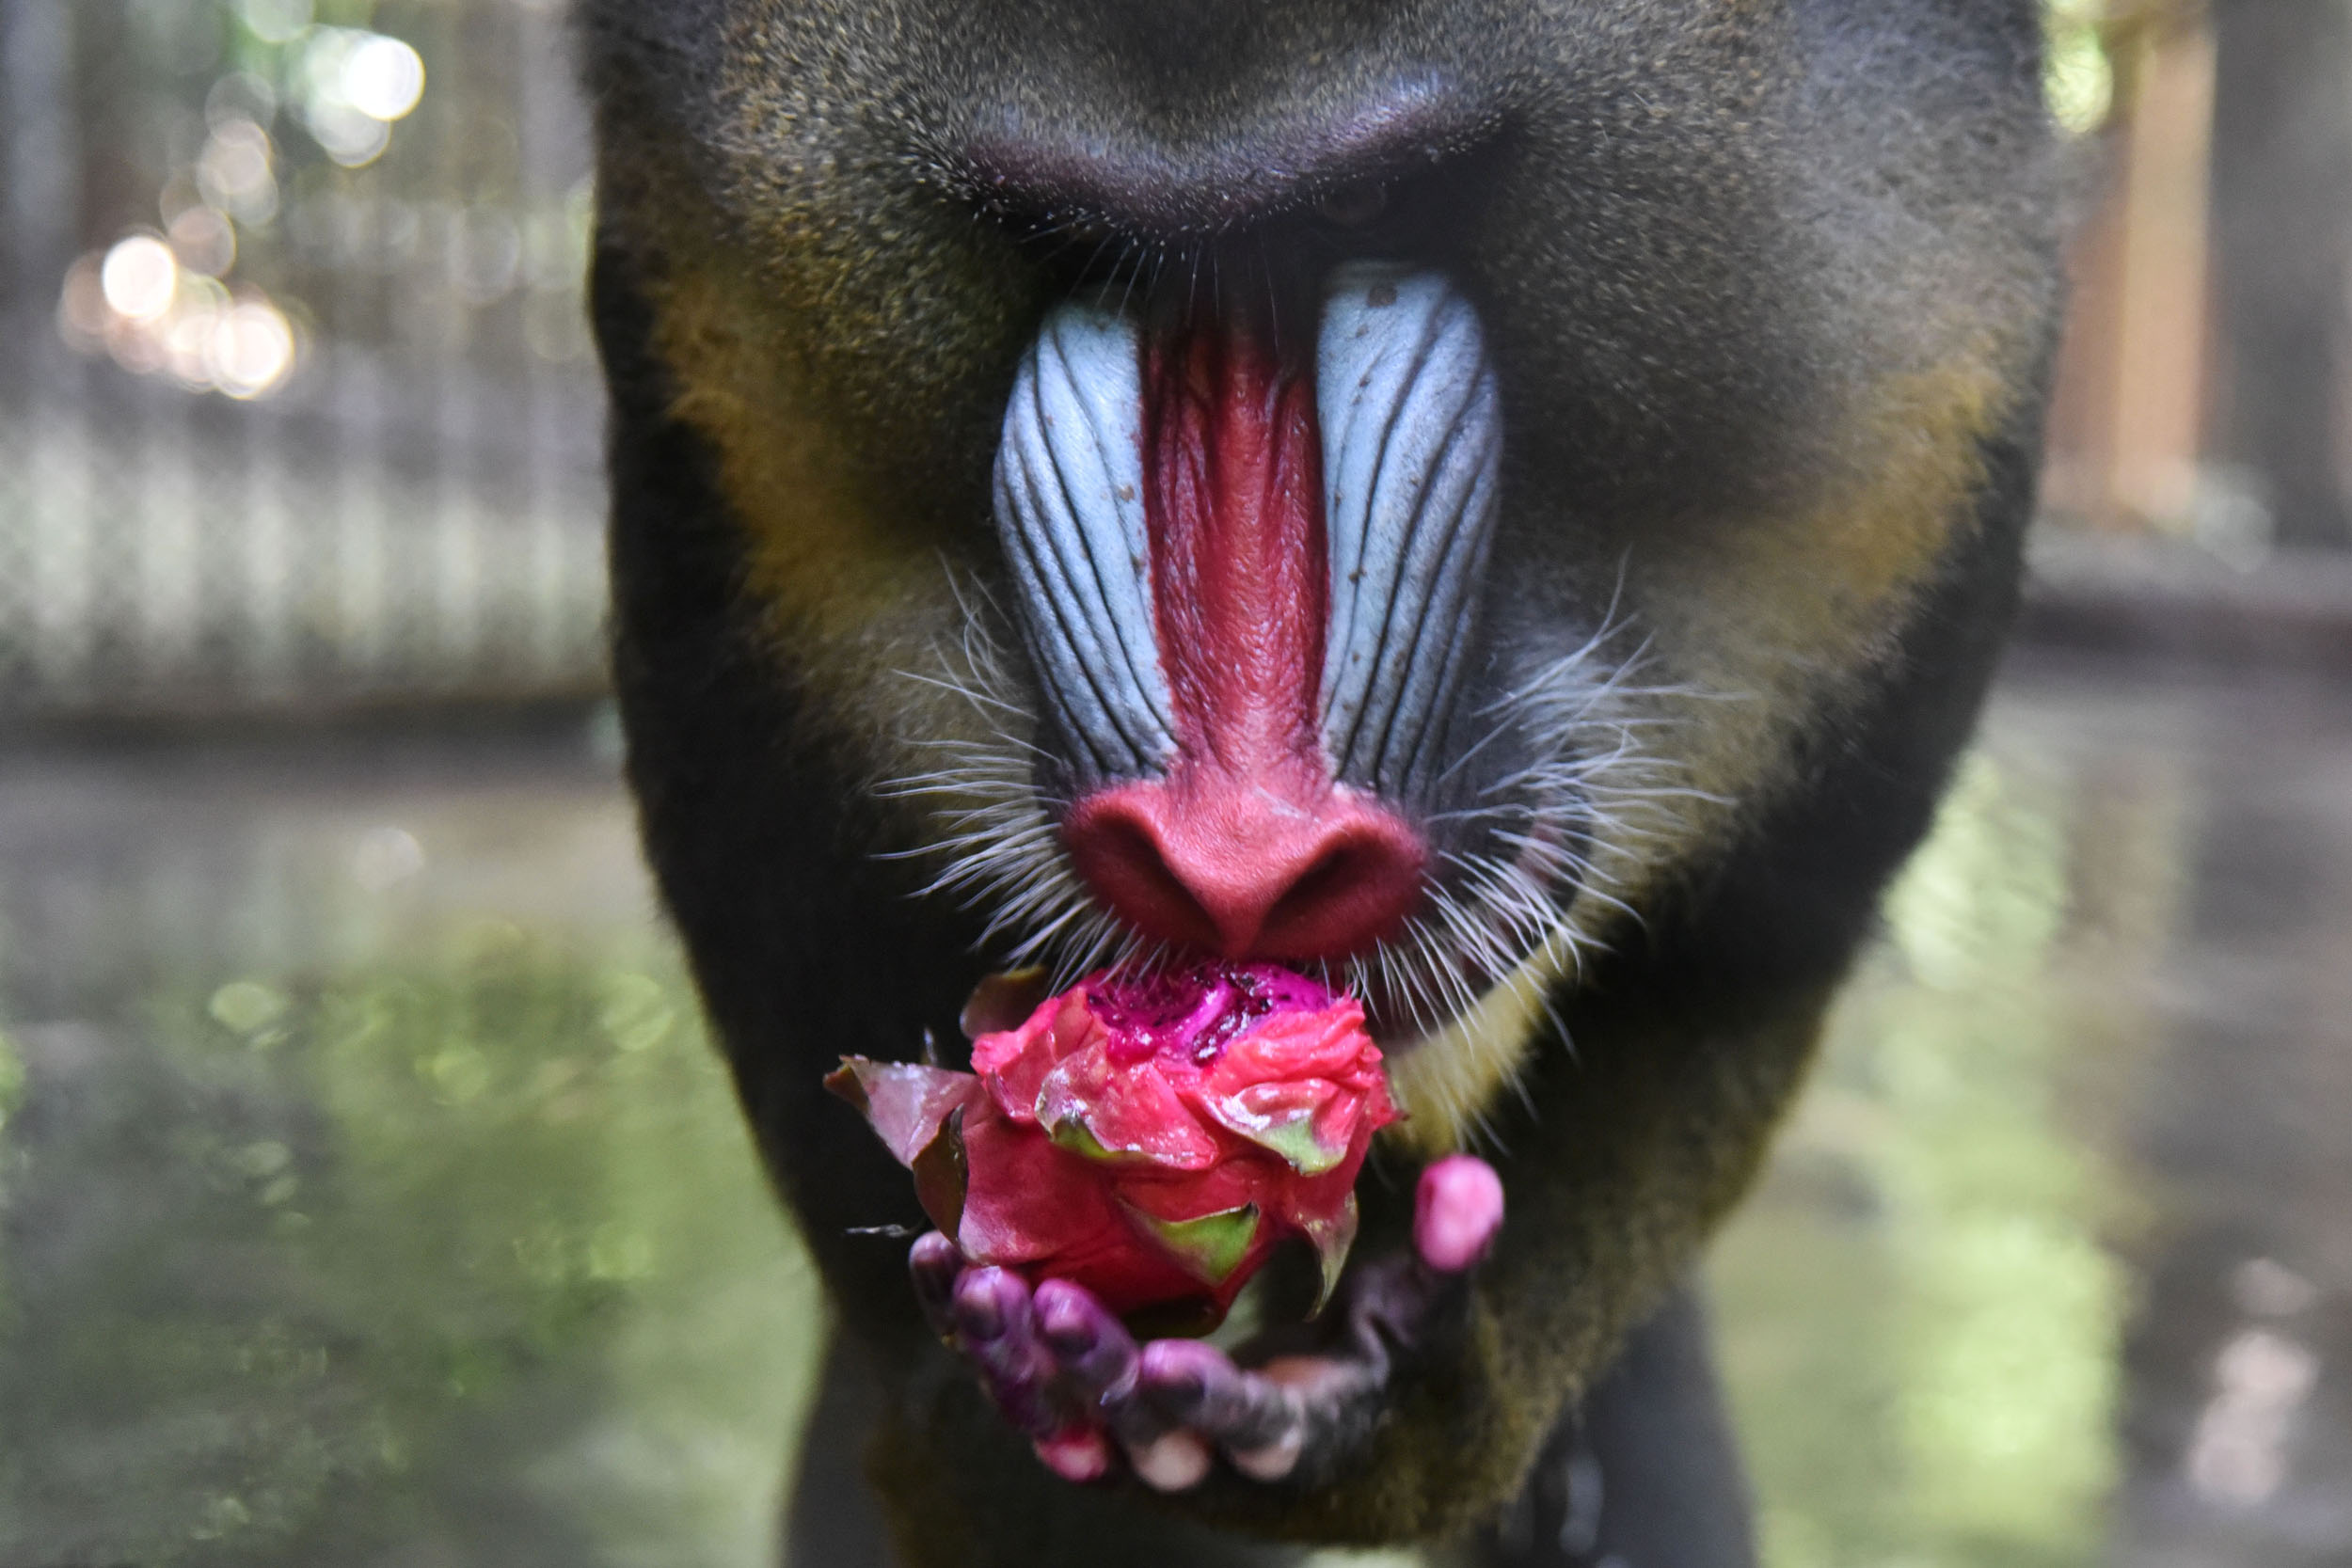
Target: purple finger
column 1100, row 1360
column 1197, row 1386
column 1096, row 1352
column 998, row 1330
column 1456, row 1213
column 936, row 1264
column 992, row 1307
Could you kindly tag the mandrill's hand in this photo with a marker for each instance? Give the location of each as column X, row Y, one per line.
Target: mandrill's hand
column 1067, row 1373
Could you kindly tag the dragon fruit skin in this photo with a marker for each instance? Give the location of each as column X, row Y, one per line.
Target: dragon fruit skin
column 1153, row 1140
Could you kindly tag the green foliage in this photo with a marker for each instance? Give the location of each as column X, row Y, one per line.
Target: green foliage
column 1922, row 1322
column 464, row 1252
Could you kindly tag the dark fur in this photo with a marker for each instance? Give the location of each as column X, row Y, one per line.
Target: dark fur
column 1714, row 239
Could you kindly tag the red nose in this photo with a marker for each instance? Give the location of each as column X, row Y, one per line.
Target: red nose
column 1246, row 870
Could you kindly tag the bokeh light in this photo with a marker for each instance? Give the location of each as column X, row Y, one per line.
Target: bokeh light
column 383, row 78
column 2077, row 78
column 153, row 315
column 241, row 95
column 140, row 278
column 352, row 85
column 251, row 349
column 235, row 171
column 276, row 20
column 203, row 239
column 351, row 138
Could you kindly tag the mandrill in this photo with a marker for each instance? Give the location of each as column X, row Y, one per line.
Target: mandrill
column 1506, row 508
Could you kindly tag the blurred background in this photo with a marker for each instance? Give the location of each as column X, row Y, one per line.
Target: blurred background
column 369, row 1194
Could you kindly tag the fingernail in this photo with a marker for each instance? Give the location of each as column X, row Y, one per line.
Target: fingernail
column 1075, row 1454
column 1273, row 1462
column 1457, row 1211
column 1174, row 1463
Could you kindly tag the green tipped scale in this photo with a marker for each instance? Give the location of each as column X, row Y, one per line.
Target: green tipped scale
column 1209, row 1247
column 1332, row 1238
column 1292, row 1137
column 1072, row 1133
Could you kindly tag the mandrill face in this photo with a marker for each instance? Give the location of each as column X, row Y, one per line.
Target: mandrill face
column 1374, row 485
column 1507, row 504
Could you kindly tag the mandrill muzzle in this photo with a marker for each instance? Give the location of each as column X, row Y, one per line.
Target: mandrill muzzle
column 1249, row 587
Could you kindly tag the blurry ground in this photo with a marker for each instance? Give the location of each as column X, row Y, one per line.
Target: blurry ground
column 2055, row 1265
column 369, row 1197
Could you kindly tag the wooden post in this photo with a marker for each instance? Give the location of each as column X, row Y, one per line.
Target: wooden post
column 2127, row 424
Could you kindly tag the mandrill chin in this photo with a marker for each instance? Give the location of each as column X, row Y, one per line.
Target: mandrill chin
column 1488, row 519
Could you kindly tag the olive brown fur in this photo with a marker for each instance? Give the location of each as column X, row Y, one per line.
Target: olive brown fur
column 1770, row 287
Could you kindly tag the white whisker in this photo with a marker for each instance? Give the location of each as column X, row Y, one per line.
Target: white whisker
column 1582, row 785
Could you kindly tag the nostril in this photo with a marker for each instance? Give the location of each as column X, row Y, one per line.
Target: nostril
column 1354, row 891
column 1339, row 877
column 1331, row 871
column 1245, row 874
column 1120, row 857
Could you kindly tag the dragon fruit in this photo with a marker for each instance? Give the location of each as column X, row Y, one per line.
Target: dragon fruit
column 1154, row 1139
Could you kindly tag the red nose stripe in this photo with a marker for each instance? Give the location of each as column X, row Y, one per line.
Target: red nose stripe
column 1245, row 847
column 1234, row 505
